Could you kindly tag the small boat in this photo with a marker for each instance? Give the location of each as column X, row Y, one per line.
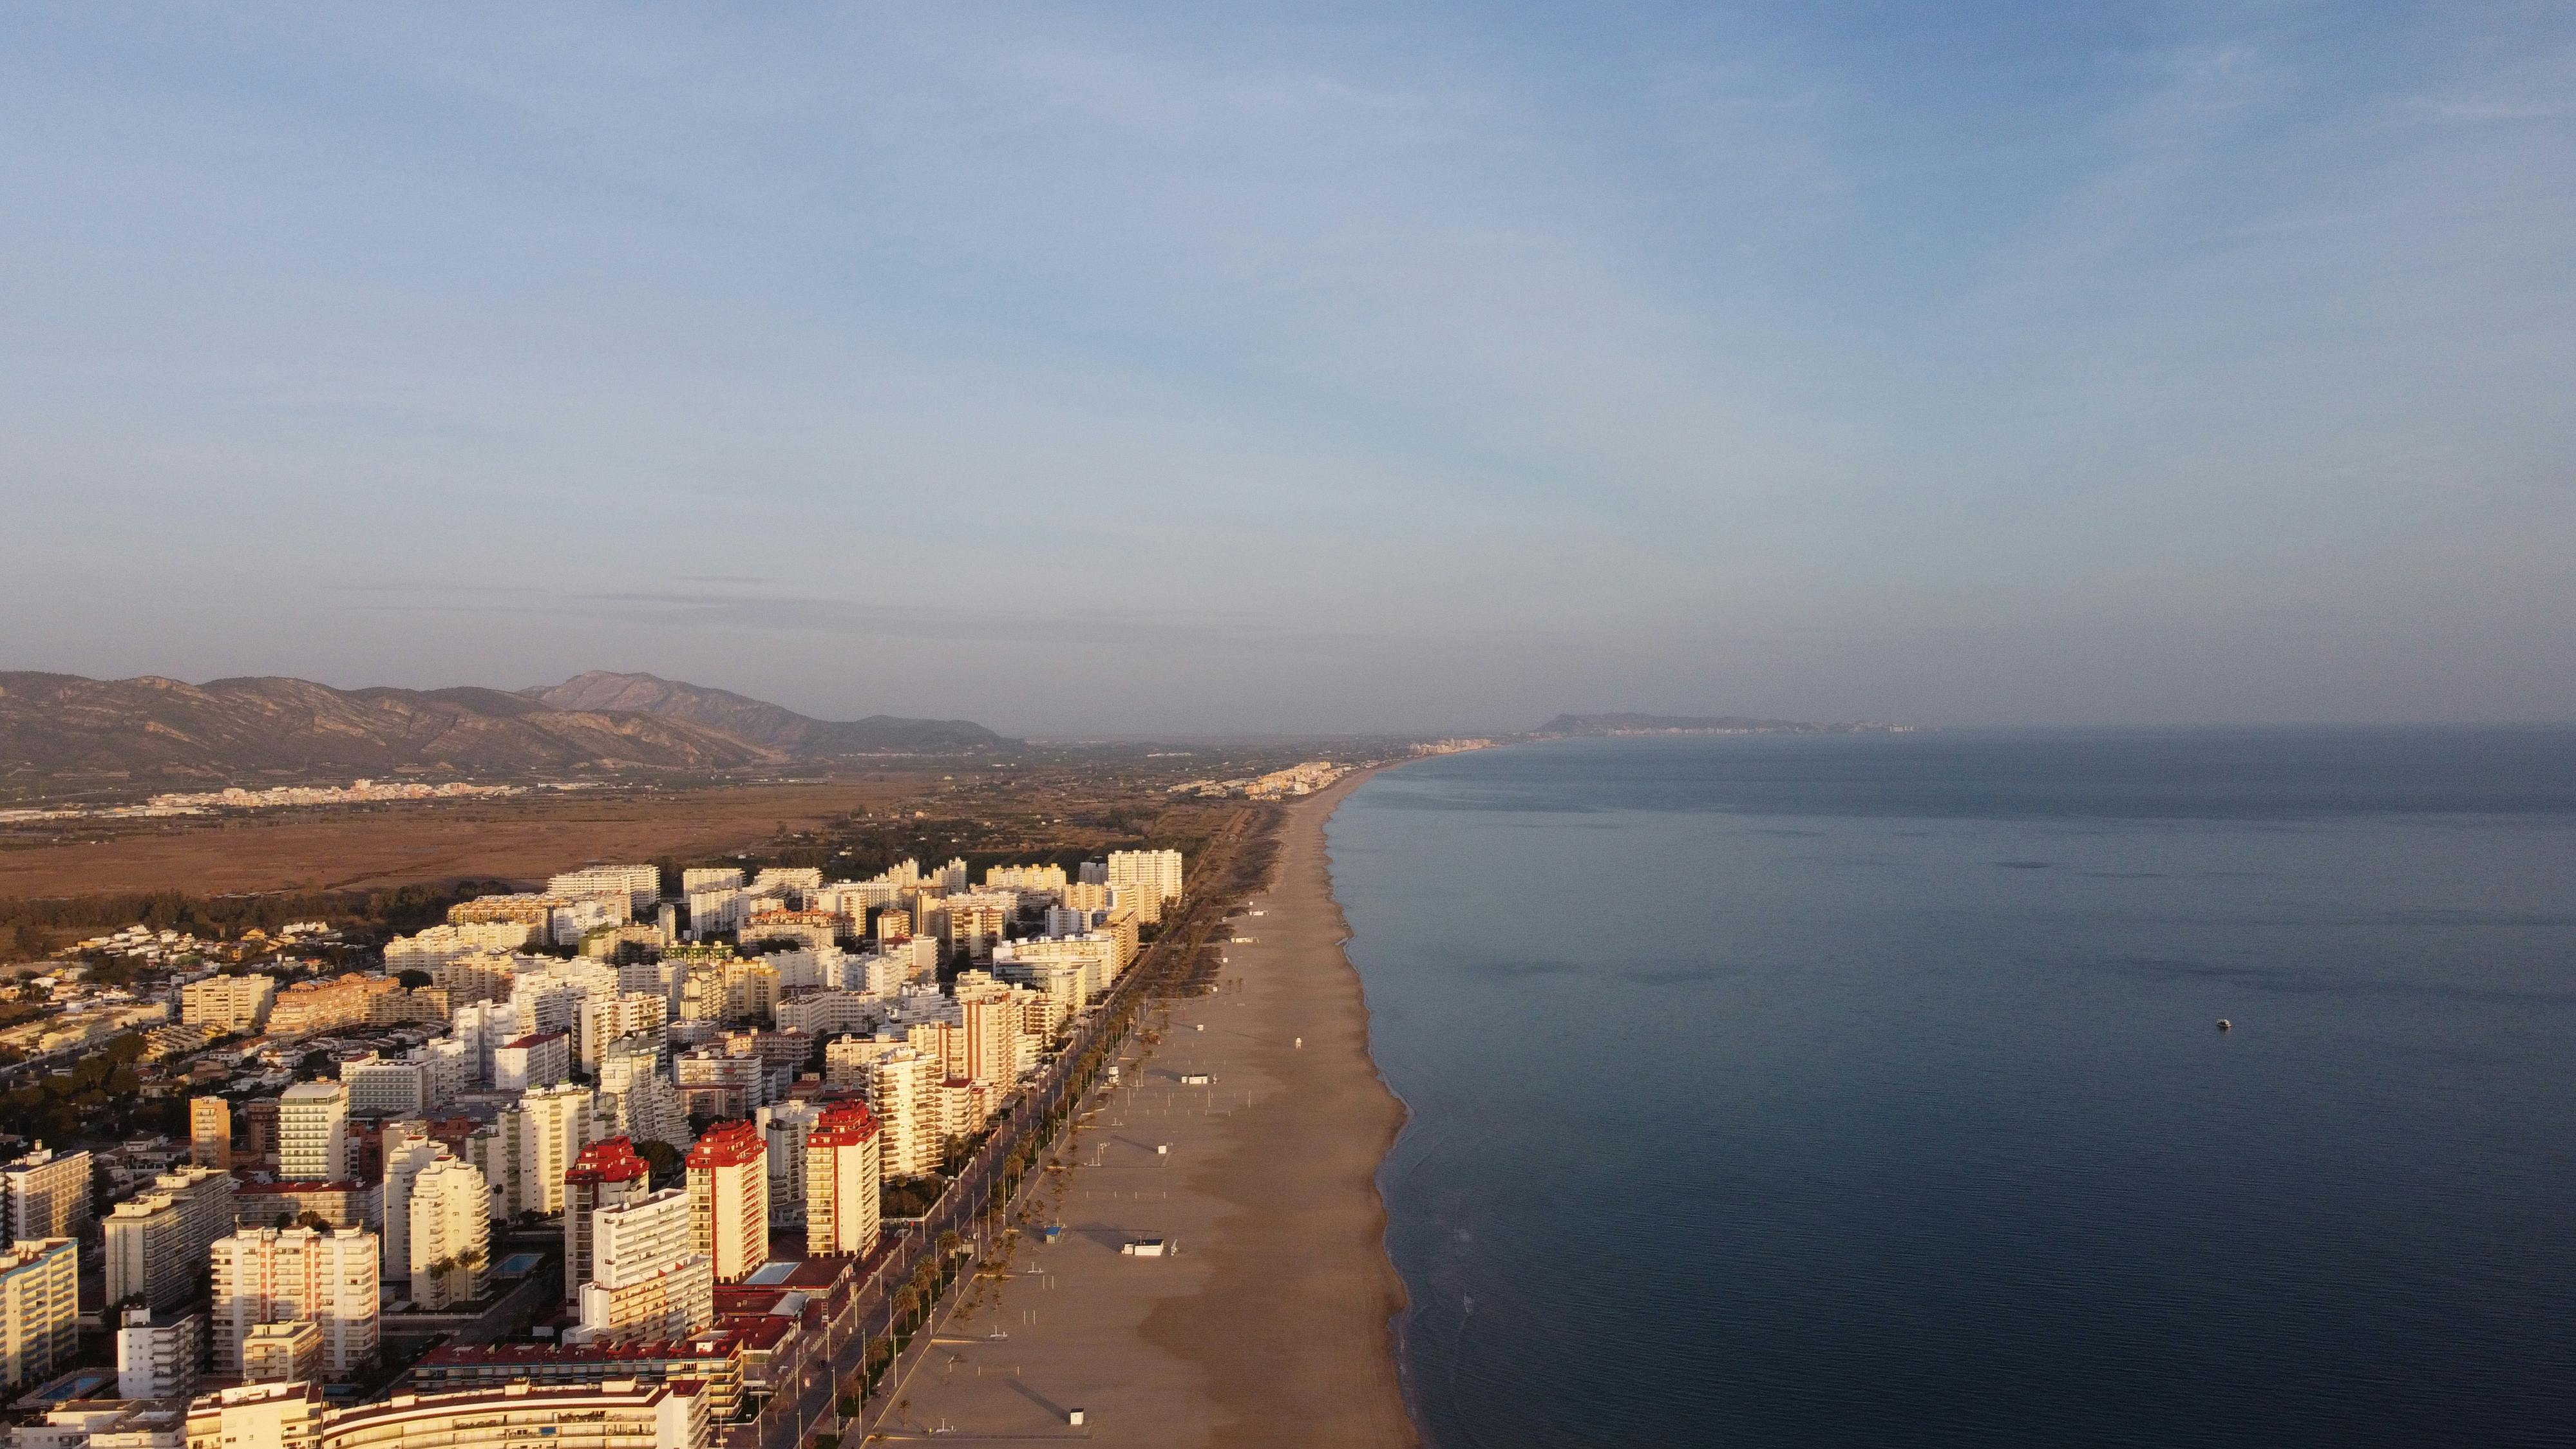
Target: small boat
column 2225, row 1025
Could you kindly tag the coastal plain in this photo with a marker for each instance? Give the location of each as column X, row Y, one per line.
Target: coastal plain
column 1271, row 1322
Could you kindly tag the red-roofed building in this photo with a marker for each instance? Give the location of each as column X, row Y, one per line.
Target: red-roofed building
column 606, row 1174
column 844, row 1165
column 729, row 1199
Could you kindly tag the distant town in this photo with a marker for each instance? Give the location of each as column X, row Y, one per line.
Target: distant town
column 647, row 1158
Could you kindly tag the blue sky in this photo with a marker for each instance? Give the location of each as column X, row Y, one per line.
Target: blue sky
column 1164, row 368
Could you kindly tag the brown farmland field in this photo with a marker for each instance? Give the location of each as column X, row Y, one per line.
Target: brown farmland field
column 363, row 849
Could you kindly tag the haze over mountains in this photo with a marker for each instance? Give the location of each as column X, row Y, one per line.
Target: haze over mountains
column 761, row 723
column 227, row 729
column 1669, row 724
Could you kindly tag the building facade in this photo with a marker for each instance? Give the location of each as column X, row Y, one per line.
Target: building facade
column 266, row 1275
column 729, row 1200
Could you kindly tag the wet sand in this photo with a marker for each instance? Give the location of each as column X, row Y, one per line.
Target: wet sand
column 1271, row 1323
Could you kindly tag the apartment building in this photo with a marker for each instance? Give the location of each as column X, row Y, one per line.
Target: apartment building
column 539, row 1060
column 555, row 1125
column 39, row 1309
column 230, row 1005
column 448, row 1232
column 309, row 1008
column 313, row 1132
column 156, row 1358
column 729, row 1200
column 844, row 1170
column 616, row 1414
column 155, row 1242
column 641, row 885
column 647, row 1282
column 607, row 1174
column 266, row 1275
column 210, row 1131
column 605, row 1018
column 47, row 1195
column 904, row 1091
column 286, row 1352
column 783, row 1130
column 1150, row 878
column 383, row 1088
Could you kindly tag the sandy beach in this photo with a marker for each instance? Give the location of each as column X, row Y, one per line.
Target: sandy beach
column 1270, row 1321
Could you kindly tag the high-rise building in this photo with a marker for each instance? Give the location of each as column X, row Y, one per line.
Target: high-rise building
column 450, row 1233
column 265, row 1275
column 482, row 1026
column 604, row 1019
column 555, row 1124
column 48, row 1195
column 157, row 1359
column 383, row 1088
column 210, row 1131
column 783, row 1129
column 647, row 1279
column 844, row 1168
column 607, row 1174
column 409, row 1150
column 155, row 1242
column 1153, row 875
column 39, row 1309
column 988, row 1045
column 313, row 1132
column 729, row 1200
column 636, row 1099
column 903, row 1091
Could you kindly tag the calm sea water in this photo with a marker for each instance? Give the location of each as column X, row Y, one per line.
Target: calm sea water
column 1868, row 1090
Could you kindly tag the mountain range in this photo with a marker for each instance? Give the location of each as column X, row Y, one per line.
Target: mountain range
column 231, row 729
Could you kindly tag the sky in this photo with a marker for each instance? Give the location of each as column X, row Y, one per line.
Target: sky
column 1242, row 368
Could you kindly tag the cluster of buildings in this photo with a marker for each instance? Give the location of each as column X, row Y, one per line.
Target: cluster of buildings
column 695, row 1099
column 1302, row 779
column 359, row 792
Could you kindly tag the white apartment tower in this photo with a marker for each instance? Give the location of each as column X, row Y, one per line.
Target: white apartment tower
column 783, row 1129
column 647, row 1279
column 313, row 1133
column 408, row 1150
column 554, row 1126
column 1154, row 877
column 39, row 1309
column 449, row 1233
column 270, row 1275
column 48, row 1195
column 158, row 1360
column 903, row 1090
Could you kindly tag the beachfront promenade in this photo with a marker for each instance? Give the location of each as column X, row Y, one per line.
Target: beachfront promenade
column 1270, row 1321
column 966, row 1207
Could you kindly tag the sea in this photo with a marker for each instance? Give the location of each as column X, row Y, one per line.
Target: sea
column 1871, row 1089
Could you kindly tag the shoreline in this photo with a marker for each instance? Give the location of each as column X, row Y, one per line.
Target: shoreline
column 1244, row 1137
column 1338, row 1290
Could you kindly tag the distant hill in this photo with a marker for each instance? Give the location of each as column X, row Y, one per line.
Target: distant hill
column 1731, row 724
column 234, row 731
column 767, row 725
column 227, row 729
